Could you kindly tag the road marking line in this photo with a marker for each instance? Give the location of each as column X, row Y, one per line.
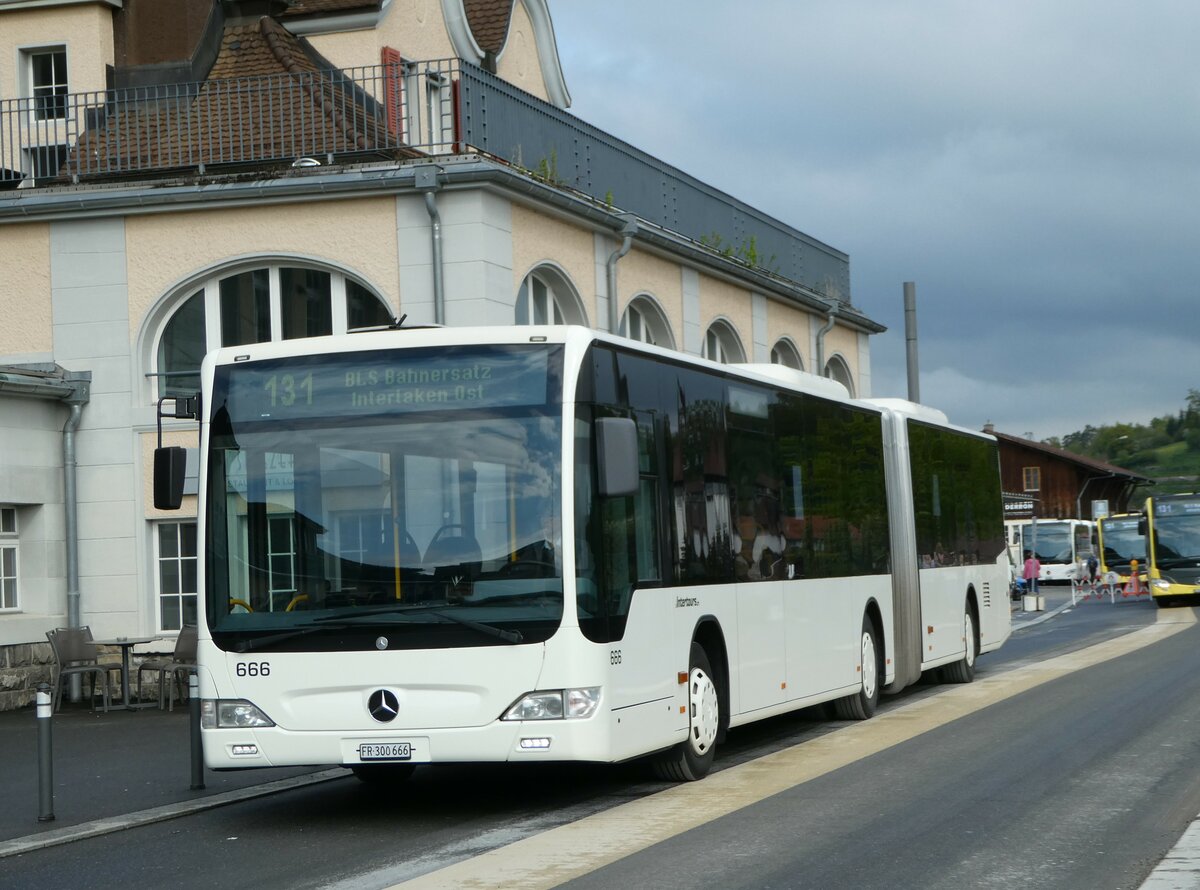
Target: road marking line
column 555, row 856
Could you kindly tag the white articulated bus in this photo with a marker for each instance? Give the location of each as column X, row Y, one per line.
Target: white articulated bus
column 548, row 543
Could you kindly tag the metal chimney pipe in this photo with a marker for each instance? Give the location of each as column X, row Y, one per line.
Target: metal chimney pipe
column 910, row 340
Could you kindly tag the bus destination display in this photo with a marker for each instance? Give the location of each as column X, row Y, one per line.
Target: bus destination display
column 384, row 382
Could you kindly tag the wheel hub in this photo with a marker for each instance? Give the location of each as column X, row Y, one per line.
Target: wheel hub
column 705, row 711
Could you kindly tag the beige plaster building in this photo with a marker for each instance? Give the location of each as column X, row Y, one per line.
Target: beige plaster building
column 177, row 175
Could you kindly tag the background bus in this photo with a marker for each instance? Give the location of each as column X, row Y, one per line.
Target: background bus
column 1061, row 545
column 1120, row 542
column 544, row 543
column 1172, row 530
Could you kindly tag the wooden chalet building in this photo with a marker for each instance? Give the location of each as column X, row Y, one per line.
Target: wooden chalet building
column 1052, row 483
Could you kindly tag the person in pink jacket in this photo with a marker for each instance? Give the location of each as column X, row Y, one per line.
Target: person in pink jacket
column 1030, row 573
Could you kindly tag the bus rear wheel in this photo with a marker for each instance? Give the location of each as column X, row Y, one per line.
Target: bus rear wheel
column 964, row 671
column 692, row 759
column 861, row 705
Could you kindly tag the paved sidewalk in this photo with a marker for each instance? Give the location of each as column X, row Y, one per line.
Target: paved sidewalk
column 111, row 769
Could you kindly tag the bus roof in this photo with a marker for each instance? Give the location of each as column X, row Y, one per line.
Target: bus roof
column 574, row 335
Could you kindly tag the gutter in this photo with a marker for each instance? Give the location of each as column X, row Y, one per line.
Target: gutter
column 425, row 180
column 75, row 203
column 825, row 329
column 629, row 228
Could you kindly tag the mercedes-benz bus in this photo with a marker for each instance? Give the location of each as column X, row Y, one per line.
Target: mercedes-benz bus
column 546, row 543
column 1120, row 542
column 1061, row 546
column 1172, row 531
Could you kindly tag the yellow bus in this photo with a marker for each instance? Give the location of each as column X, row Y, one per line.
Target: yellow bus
column 1121, row 543
column 1171, row 528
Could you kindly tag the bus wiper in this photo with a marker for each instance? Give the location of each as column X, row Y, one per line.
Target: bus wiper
column 260, row 642
column 510, row 636
column 1178, row 562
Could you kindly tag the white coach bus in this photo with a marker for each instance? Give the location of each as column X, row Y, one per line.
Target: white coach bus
column 547, row 543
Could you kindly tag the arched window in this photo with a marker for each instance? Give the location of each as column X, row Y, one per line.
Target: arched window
column 837, row 369
column 547, row 297
column 785, row 353
column 644, row 321
column 258, row 305
column 721, row 344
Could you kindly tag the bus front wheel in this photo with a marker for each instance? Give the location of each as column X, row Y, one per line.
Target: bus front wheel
column 691, row 759
column 862, row 704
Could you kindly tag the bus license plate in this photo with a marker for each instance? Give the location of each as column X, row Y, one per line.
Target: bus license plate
column 385, row 751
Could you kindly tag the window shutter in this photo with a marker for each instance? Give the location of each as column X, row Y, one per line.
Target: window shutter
column 393, row 91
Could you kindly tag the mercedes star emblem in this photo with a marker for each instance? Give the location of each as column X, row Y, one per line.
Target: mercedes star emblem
column 383, row 705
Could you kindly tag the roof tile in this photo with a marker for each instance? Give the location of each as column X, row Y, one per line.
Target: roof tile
column 265, row 99
column 489, row 20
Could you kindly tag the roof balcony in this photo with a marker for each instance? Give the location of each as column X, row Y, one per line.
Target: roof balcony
column 268, row 125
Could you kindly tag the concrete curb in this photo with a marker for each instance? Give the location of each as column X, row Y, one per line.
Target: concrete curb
column 98, row 827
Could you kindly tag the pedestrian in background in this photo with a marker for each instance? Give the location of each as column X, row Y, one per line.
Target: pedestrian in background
column 1030, row 573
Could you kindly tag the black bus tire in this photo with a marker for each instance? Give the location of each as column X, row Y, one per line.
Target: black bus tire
column 691, row 759
column 861, row 705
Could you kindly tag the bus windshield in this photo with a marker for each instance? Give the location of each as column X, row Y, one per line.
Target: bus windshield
column 1122, row 542
column 1176, row 531
column 1053, row 544
column 400, row 499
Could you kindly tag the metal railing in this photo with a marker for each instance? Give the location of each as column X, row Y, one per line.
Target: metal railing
column 237, row 122
column 394, row 110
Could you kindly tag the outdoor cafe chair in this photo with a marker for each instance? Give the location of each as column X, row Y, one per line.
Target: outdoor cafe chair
column 174, row 669
column 76, row 654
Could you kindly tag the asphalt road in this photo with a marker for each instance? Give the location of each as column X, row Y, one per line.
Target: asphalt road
column 1083, row 781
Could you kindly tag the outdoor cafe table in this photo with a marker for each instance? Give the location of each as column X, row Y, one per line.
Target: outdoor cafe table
column 127, row 643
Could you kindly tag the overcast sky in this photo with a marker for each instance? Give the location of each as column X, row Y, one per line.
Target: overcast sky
column 1033, row 165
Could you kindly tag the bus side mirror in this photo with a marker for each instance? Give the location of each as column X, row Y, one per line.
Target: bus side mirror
column 170, row 464
column 617, row 456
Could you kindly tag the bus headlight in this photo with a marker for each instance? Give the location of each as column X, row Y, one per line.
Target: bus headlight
column 1160, row 584
column 555, row 704
column 231, row 714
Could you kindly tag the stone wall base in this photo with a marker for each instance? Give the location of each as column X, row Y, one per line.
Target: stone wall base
column 24, row 666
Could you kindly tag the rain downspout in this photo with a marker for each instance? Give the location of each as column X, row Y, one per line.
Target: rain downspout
column 1079, row 497
column 628, row 229
column 426, row 182
column 79, row 396
column 825, row 329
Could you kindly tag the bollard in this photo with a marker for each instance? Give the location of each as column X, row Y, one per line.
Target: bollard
column 197, row 745
column 45, row 711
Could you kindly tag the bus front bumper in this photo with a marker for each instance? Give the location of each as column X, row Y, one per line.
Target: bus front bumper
column 502, row 741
